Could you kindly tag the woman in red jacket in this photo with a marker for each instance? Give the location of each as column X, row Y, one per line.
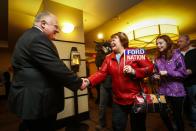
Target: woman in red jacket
column 125, row 83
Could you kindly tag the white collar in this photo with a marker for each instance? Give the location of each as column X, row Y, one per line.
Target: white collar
column 190, row 48
column 38, row 28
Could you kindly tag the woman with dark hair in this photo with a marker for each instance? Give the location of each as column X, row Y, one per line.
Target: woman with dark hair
column 171, row 71
column 125, row 83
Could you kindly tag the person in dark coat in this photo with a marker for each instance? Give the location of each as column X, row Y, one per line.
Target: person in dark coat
column 39, row 76
column 7, row 82
column 105, row 87
column 189, row 52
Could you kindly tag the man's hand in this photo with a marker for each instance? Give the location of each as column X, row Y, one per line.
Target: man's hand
column 85, row 83
column 189, row 71
column 157, row 77
column 163, row 73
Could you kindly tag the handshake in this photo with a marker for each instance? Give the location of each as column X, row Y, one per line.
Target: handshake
column 85, row 83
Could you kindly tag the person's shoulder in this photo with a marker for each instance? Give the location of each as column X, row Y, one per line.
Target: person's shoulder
column 191, row 52
column 31, row 33
column 176, row 54
column 38, row 35
column 110, row 55
column 176, row 51
column 32, row 29
column 27, row 36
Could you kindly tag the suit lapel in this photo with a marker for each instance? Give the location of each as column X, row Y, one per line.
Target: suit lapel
column 55, row 49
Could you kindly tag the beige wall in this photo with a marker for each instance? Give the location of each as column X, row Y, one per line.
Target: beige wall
column 71, row 15
column 64, row 49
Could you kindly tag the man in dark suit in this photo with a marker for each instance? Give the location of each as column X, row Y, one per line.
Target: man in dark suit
column 189, row 53
column 37, row 93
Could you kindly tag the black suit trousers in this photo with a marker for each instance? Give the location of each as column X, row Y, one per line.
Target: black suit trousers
column 43, row 124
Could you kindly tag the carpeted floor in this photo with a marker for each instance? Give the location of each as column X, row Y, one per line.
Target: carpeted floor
column 9, row 122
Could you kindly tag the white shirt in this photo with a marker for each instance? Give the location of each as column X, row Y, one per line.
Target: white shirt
column 190, row 48
column 38, row 28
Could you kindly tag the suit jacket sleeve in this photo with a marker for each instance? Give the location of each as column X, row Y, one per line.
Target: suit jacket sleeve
column 190, row 63
column 46, row 58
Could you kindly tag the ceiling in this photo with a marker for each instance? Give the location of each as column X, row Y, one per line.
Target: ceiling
column 98, row 12
column 95, row 13
column 148, row 13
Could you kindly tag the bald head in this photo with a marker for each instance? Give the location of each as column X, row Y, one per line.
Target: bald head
column 42, row 16
column 48, row 23
column 183, row 42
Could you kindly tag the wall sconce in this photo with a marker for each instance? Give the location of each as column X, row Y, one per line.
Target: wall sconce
column 100, row 36
column 74, row 59
column 67, row 27
column 149, row 34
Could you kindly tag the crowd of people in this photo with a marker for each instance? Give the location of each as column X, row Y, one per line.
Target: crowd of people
column 39, row 73
column 175, row 73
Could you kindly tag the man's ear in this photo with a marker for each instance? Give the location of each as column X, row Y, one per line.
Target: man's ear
column 43, row 23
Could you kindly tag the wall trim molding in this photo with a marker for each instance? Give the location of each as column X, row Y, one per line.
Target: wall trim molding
column 70, row 59
column 76, row 42
column 72, row 120
column 75, row 97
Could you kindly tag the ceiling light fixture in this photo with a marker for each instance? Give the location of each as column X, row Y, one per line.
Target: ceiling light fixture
column 100, row 36
column 149, row 34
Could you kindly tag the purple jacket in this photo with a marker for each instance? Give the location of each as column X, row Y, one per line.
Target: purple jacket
column 172, row 85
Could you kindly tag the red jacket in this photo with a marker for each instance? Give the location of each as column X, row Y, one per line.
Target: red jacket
column 124, row 87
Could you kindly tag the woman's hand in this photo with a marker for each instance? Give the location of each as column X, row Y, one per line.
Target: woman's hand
column 128, row 70
column 163, row 73
column 156, row 76
column 189, row 71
